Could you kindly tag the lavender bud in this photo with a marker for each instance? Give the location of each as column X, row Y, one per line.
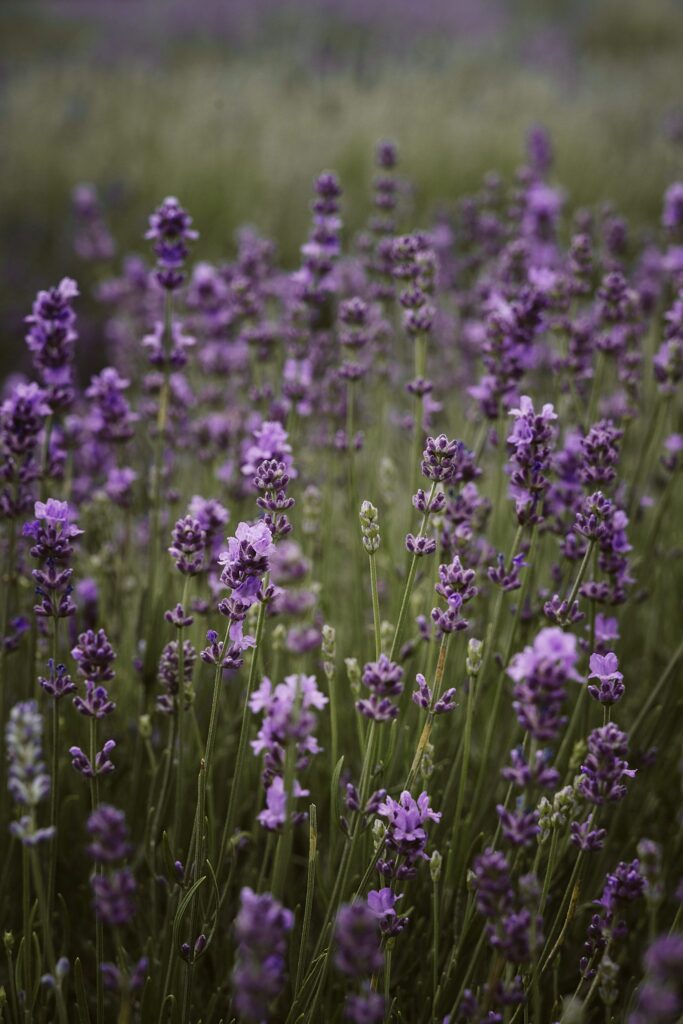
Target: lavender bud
column 369, row 525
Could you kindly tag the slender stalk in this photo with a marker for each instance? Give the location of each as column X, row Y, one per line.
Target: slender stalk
column 462, row 784
column 310, row 890
column 244, row 737
column 99, row 932
column 408, row 589
column 375, row 604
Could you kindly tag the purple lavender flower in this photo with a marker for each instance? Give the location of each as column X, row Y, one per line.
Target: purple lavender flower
column 114, row 897
column 58, row 683
column 103, row 764
column 259, row 975
column 22, row 418
column 660, row 998
column 422, row 696
column 456, row 587
column 357, row 941
column 170, row 229
column 406, row 837
column 531, row 444
column 604, row 768
column 110, row 417
column 94, row 656
column 109, row 835
column 540, row 674
column 52, row 534
column 188, row 545
column 382, row 903
column 288, row 718
column 384, row 680
column 51, row 340
column 610, row 687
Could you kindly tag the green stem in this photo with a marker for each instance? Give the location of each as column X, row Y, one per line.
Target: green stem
column 375, row 604
column 408, row 589
column 244, row 736
column 310, row 890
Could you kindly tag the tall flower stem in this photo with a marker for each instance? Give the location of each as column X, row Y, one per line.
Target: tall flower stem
column 462, row 784
column 375, row 604
column 429, row 723
column 231, row 813
column 54, row 790
column 99, row 931
column 410, row 580
column 493, row 712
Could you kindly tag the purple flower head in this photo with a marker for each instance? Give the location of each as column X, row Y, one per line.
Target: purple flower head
column 382, row 903
column 660, row 998
column 259, row 974
column 109, row 835
column 519, row 827
column 103, row 765
column 384, row 679
column 58, row 683
column 406, row 837
column 110, row 417
column 672, row 213
column 96, row 703
column 605, row 767
column 188, row 545
column 51, row 340
column 586, row 837
column 246, row 560
column 270, row 442
column 530, row 443
column 170, row 228
column 95, row 656
column 609, row 688
column 540, row 673
column 114, row 897
column 440, row 458
column 422, row 696
column 288, row 718
column 358, row 952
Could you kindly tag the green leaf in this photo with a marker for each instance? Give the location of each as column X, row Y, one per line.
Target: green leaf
column 182, row 910
column 81, row 995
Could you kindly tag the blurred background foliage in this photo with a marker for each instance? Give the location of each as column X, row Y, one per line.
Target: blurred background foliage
column 235, row 105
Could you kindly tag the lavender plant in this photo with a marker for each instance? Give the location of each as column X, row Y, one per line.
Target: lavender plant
column 479, row 820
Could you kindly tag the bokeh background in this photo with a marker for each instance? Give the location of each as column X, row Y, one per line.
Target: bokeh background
column 235, row 105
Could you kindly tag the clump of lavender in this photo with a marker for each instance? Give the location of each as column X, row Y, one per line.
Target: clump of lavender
column 27, row 778
column 259, row 974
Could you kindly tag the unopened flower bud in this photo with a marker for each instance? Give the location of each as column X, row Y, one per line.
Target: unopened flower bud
column 475, row 653
column 369, row 526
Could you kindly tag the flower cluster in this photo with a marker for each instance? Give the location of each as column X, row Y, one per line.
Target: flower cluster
column 261, row 928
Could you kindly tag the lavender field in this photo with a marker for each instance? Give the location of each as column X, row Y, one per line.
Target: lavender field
column 341, row 542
